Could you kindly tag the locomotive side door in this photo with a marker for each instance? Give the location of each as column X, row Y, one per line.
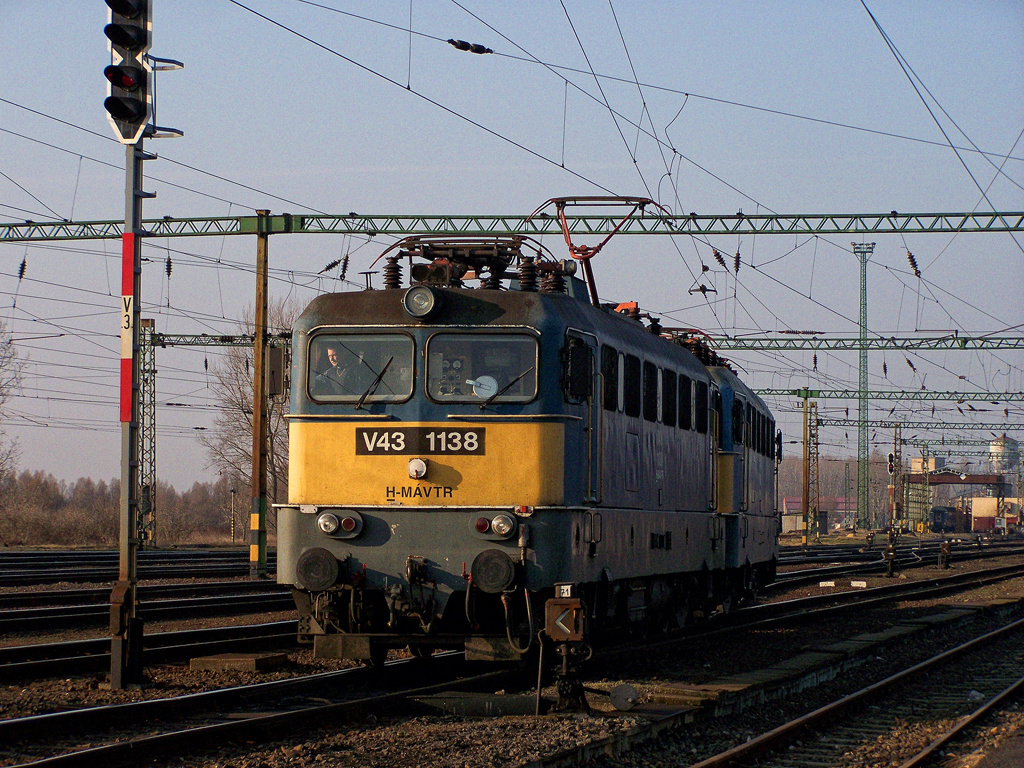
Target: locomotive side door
column 713, row 404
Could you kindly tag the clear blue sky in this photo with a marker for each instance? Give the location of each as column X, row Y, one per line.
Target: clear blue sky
column 374, row 118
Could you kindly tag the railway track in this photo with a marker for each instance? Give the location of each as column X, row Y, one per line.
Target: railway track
column 96, row 595
column 286, row 708
column 896, row 718
column 32, row 567
column 906, row 558
column 155, row 604
column 247, row 713
column 861, row 551
column 38, row 660
column 77, row 657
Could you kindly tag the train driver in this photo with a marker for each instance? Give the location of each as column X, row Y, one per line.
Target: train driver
column 331, row 381
column 349, row 371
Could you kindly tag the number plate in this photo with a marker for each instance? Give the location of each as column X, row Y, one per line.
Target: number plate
column 419, row 441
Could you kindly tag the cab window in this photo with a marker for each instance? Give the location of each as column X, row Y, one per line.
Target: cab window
column 354, row 367
column 469, row 368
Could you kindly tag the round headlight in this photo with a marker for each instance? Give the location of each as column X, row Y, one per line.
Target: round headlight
column 328, row 523
column 420, row 301
column 502, row 525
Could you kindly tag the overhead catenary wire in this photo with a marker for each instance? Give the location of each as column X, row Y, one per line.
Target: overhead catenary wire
column 914, row 80
column 424, row 97
column 530, row 59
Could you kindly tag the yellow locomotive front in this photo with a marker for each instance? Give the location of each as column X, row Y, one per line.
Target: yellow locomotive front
column 376, row 443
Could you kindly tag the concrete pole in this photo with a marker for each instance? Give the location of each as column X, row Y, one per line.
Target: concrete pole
column 258, row 516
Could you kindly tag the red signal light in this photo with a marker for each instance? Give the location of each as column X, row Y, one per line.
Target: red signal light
column 348, row 524
column 483, row 525
column 125, row 78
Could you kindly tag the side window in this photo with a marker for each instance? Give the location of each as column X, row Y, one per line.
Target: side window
column 631, row 400
column 577, row 378
column 610, row 374
column 737, row 422
column 701, row 407
column 685, row 403
column 650, row 391
column 718, row 409
column 668, row 398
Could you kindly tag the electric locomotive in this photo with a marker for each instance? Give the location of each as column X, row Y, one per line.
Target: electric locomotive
column 459, row 455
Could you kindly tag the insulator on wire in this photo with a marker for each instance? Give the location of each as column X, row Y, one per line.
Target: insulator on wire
column 462, row 45
column 912, row 367
column 913, row 264
column 736, row 263
column 815, row 362
column 719, row 258
column 330, row 266
column 206, row 364
column 22, row 268
column 344, row 267
column 885, row 369
column 168, row 266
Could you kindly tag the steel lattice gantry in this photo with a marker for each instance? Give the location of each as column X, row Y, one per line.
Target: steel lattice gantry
column 850, row 344
column 884, row 424
column 648, row 223
column 897, row 394
column 948, row 441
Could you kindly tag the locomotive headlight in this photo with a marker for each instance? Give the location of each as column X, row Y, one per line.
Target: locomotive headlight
column 421, row 301
column 328, row 523
column 502, row 525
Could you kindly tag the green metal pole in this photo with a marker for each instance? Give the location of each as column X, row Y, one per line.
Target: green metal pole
column 863, row 253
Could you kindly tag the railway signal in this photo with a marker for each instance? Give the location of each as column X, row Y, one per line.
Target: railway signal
column 128, row 102
column 892, row 463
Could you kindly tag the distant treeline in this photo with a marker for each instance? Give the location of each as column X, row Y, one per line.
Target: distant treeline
column 38, row 509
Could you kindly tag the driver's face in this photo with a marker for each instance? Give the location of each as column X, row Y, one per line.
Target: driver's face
column 332, row 356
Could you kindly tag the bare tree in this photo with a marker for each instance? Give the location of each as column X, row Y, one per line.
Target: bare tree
column 229, row 442
column 10, row 376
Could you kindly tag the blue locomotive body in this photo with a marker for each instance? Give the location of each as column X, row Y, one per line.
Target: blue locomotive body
column 484, row 445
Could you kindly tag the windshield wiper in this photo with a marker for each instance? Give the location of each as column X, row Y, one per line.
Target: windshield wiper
column 504, row 389
column 374, row 384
